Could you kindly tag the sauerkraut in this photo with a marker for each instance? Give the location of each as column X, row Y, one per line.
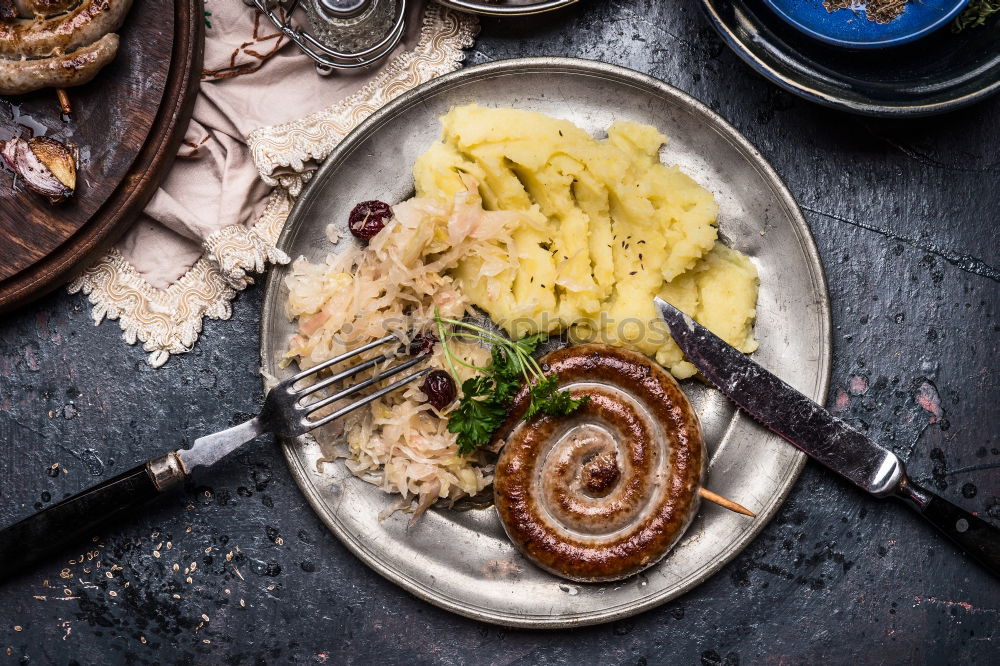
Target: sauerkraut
column 400, row 442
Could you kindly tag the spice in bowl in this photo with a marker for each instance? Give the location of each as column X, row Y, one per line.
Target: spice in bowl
column 879, row 11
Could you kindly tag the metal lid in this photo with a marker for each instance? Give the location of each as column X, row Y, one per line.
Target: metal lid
column 343, row 8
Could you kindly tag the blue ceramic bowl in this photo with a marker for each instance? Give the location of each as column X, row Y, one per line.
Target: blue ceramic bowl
column 850, row 28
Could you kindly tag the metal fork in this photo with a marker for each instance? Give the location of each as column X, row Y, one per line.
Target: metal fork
column 285, row 413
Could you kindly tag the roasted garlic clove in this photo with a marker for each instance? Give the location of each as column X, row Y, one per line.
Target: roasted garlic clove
column 47, row 166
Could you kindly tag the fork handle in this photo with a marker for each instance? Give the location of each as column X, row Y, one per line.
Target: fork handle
column 75, row 518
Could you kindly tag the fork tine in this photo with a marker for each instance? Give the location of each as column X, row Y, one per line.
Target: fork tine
column 368, row 398
column 339, row 359
column 350, row 372
column 351, row 390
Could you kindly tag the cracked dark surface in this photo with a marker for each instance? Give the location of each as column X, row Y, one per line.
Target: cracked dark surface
column 905, row 215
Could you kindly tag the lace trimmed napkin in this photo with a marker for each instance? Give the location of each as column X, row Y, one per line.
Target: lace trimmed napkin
column 261, row 122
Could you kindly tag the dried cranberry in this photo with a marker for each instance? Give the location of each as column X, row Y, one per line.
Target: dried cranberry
column 422, row 343
column 439, row 388
column 368, row 218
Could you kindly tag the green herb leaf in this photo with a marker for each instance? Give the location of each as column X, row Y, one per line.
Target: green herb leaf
column 486, row 398
column 975, row 14
column 474, row 421
column 546, row 398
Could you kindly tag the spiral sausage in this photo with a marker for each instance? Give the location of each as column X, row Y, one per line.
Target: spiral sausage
column 607, row 491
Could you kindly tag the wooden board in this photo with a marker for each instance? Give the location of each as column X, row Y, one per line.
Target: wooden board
column 127, row 125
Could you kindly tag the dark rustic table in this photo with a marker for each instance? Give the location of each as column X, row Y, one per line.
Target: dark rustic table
column 237, row 569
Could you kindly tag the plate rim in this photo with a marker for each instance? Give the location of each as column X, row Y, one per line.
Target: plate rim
column 474, row 7
column 806, row 242
column 877, row 110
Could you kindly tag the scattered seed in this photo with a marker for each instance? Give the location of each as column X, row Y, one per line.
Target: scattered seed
column 156, row 554
column 17, row 627
column 176, row 567
column 243, row 603
column 189, row 580
column 113, row 593
column 204, row 617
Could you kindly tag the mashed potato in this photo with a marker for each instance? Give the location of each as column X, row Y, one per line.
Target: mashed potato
column 604, row 228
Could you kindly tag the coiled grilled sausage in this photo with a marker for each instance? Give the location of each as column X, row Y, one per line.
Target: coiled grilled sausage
column 64, row 71
column 607, row 491
column 84, row 25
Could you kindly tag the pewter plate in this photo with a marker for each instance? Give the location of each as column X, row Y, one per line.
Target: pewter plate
column 462, row 561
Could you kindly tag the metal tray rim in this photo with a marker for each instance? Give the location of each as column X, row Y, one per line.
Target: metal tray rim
column 479, row 7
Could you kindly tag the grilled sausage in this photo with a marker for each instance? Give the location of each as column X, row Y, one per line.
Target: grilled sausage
column 33, row 8
column 87, row 23
column 63, row 71
column 605, row 492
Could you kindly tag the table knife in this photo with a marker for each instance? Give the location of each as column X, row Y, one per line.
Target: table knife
column 827, row 439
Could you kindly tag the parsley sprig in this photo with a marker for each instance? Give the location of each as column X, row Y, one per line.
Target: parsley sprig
column 486, row 397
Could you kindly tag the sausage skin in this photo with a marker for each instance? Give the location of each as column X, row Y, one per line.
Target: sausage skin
column 38, row 38
column 63, row 71
column 33, row 8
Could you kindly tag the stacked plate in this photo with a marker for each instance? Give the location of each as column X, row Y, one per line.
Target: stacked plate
column 931, row 74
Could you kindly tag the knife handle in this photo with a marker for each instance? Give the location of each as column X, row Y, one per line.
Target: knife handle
column 978, row 538
column 78, row 517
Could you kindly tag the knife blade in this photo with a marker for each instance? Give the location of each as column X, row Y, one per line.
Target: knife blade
column 825, row 438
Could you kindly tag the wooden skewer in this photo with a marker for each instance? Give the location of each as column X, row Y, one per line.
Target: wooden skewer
column 726, row 503
column 67, row 108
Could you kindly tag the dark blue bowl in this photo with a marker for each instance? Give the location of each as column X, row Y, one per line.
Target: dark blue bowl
column 850, row 27
column 941, row 72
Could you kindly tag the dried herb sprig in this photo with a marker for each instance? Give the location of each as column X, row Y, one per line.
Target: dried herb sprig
column 975, row 14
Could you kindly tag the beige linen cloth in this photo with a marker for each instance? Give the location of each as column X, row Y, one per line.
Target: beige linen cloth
column 262, row 120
